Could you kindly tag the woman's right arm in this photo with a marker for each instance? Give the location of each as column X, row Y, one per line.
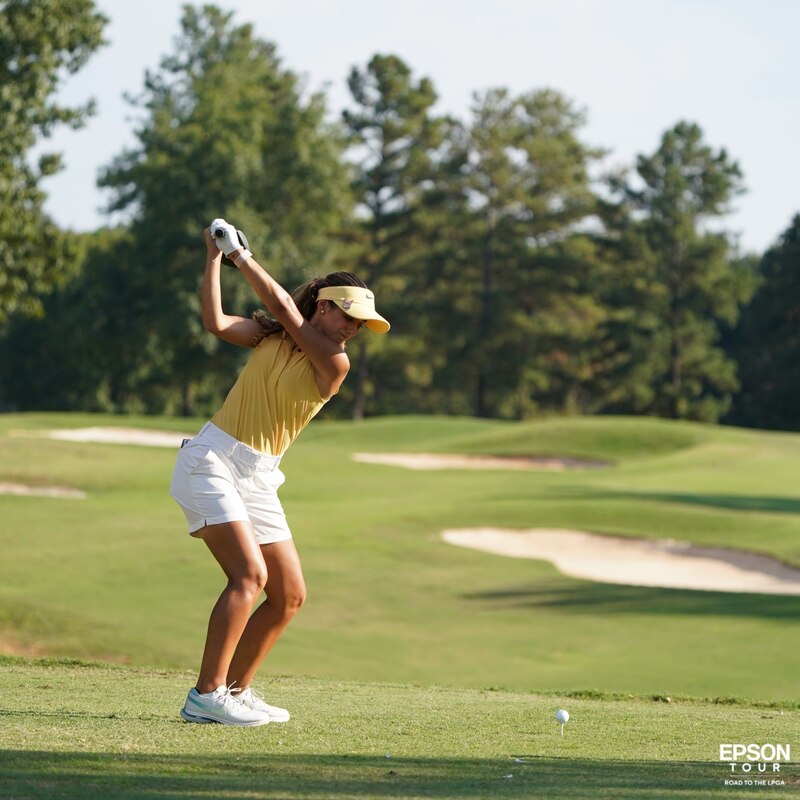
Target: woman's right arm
column 236, row 330
column 331, row 363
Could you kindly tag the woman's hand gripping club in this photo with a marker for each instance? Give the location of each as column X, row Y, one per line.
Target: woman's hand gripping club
column 229, row 240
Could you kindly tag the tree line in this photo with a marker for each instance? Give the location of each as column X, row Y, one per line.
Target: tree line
column 521, row 276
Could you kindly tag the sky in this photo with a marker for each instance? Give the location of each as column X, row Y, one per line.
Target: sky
column 636, row 67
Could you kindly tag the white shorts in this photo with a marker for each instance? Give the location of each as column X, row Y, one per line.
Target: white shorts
column 218, row 479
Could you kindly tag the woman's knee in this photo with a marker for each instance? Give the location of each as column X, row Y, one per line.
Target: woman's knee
column 298, row 598
column 290, row 600
column 251, row 580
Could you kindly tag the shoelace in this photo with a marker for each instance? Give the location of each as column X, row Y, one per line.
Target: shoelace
column 256, row 695
column 229, row 699
column 253, row 693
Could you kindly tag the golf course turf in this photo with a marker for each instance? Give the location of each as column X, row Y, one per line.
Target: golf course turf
column 394, row 612
column 78, row 730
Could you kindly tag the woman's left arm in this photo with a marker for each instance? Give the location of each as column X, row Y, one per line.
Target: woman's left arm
column 234, row 329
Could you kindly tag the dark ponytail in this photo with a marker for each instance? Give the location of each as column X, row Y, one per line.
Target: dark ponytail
column 305, row 298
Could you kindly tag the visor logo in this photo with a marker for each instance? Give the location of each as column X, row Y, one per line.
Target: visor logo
column 346, row 304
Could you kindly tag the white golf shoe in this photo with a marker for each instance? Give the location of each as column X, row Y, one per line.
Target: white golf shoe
column 255, row 701
column 221, row 706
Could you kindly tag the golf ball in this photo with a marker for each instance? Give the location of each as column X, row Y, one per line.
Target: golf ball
column 562, row 716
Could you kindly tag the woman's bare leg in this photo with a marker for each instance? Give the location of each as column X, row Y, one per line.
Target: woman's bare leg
column 286, row 593
column 236, row 551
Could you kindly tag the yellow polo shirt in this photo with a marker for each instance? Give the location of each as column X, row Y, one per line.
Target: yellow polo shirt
column 273, row 399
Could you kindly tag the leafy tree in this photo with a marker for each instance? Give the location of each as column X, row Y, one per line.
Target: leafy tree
column 679, row 279
column 80, row 336
column 226, row 133
column 40, row 41
column 769, row 340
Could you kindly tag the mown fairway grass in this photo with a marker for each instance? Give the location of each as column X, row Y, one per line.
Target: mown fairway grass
column 91, row 732
column 114, row 577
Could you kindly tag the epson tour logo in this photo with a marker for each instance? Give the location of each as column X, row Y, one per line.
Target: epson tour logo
column 753, row 762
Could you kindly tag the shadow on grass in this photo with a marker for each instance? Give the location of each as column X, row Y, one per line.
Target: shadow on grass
column 618, row 599
column 37, row 775
column 731, row 502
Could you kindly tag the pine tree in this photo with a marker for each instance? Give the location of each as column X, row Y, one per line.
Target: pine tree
column 678, row 279
column 393, row 137
column 516, row 286
column 769, row 340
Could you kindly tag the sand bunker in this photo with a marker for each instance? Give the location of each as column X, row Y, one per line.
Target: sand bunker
column 42, row 491
column 425, row 461
column 142, row 436
column 637, row 562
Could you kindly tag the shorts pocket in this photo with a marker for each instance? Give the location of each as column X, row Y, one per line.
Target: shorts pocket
column 185, row 464
column 269, row 480
column 192, row 455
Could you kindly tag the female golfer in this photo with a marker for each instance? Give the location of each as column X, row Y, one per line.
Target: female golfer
column 226, row 479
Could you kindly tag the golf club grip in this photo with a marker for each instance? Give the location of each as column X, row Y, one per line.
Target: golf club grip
column 218, row 233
